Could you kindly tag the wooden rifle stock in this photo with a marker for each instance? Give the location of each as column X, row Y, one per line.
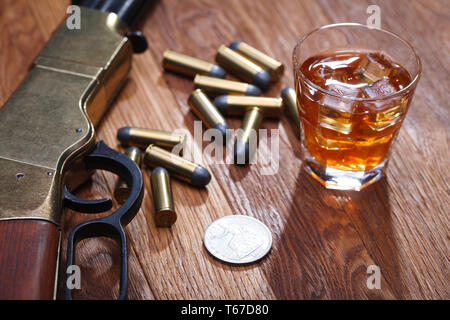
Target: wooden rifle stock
column 28, row 256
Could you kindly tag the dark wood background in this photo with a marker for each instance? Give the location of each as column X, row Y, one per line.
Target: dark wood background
column 323, row 240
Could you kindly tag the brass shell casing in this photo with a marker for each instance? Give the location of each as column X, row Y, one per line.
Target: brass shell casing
column 205, row 109
column 274, row 67
column 239, row 105
column 179, row 167
column 190, row 66
column 290, row 101
column 165, row 215
column 243, row 68
column 252, row 120
column 142, row 138
column 214, row 86
column 243, row 149
column 122, row 191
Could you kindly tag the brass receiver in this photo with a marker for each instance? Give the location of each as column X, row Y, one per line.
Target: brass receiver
column 49, row 121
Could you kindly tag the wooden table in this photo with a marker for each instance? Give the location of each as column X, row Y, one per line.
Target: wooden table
column 323, row 241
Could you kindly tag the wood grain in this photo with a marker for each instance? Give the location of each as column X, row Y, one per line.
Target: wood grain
column 323, row 240
column 28, row 254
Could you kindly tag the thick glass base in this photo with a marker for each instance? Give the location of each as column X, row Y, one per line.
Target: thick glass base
column 343, row 180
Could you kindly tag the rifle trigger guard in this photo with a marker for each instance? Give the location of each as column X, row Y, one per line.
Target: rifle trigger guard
column 86, row 206
column 105, row 158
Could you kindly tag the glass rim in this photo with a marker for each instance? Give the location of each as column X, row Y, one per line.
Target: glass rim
column 347, row 24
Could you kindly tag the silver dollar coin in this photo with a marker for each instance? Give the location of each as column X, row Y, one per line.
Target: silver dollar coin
column 238, row 239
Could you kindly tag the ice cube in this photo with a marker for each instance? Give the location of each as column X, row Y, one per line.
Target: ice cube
column 334, row 119
column 345, row 91
column 336, row 103
column 374, row 141
column 373, row 68
column 381, row 120
column 380, row 88
column 321, row 75
column 341, row 143
column 384, row 113
column 340, row 77
column 335, row 113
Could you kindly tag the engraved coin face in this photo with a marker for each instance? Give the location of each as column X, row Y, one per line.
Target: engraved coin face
column 238, row 239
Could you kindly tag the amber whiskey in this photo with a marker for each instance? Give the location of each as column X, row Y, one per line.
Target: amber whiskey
column 350, row 107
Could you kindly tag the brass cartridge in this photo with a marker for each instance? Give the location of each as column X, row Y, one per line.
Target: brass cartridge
column 290, row 101
column 243, row 68
column 243, row 149
column 214, row 86
column 274, row 67
column 239, row 105
column 179, row 167
column 165, row 215
column 208, row 113
column 190, row 66
column 142, row 138
column 121, row 192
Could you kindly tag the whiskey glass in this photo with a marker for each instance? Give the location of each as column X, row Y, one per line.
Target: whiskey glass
column 346, row 137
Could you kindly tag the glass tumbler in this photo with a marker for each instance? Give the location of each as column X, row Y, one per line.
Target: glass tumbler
column 346, row 137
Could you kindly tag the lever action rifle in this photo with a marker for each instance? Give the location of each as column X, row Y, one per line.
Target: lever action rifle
column 47, row 142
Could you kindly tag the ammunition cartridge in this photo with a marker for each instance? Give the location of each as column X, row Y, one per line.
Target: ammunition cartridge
column 142, row 138
column 243, row 68
column 208, row 113
column 121, row 192
column 274, row 67
column 239, row 105
column 243, row 149
column 290, row 101
column 165, row 215
column 179, row 167
column 190, row 66
column 215, row 86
